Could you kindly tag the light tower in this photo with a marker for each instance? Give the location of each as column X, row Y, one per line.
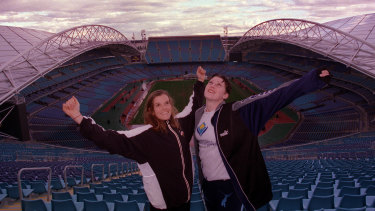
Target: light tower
column 226, row 43
column 143, row 34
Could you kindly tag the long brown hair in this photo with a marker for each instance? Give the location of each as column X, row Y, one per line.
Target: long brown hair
column 149, row 116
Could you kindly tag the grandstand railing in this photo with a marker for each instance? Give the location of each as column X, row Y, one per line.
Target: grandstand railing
column 109, row 169
column 33, row 169
column 65, row 174
column 92, row 171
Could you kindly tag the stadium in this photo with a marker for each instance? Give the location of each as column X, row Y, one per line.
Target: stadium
column 319, row 150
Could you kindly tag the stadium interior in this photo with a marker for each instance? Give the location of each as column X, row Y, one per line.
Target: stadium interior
column 319, row 150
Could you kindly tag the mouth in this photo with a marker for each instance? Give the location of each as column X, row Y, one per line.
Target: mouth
column 211, row 91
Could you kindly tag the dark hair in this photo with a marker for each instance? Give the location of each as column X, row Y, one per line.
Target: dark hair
column 228, row 87
column 149, row 116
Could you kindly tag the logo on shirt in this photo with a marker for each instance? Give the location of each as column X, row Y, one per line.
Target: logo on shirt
column 202, row 128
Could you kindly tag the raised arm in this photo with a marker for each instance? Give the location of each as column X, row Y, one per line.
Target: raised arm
column 258, row 109
column 116, row 142
column 186, row 116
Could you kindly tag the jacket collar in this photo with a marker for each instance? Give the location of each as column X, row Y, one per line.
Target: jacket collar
column 217, row 108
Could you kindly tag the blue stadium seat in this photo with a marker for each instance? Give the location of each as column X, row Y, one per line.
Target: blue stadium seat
column 196, row 197
column 111, row 197
column 63, row 205
column 323, row 191
column 124, row 191
column 140, row 198
column 93, row 185
column 2, row 195
column 86, row 196
column 80, row 190
column 367, row 183
column 345, row 183
column 13, row 192
column 33, row 205
column 39, row 187
column 302, row 186
column 89, row 205
column 56, row 184
column 277, row 194
column 61, row 195
column 324, row 184
column 294, row 193
column 101, row 190
column 147, row 206
column 350, row 191
column 321, row 202
column 353, row 201
column 71, row 181
column 126, row 205
column 283, row 187
column 141, row 190
column 290, row 204
column 197, row 206
column 370, row 191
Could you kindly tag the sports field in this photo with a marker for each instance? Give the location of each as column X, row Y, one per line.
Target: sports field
column 180, row 90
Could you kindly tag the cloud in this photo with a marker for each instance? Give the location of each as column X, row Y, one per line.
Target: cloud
column 173, row 17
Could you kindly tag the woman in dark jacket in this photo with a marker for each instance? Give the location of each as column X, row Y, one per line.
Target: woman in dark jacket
column 161, row 147
column 231, row 166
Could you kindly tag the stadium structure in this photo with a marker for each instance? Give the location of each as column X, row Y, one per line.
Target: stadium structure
column 325, row 160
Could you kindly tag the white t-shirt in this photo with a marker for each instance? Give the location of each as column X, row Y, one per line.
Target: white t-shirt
column 212, row 164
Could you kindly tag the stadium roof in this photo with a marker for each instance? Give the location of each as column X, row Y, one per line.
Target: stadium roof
column 26, row 54
column 350, row 41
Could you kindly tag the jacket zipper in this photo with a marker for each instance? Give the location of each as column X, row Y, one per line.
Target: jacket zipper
column 182, row 161
column 221, row 151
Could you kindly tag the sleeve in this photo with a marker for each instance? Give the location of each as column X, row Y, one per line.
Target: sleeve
column 115, row 142
column 186, row 116
column 258, row 109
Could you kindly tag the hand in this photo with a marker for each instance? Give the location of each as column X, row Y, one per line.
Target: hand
column 72, row 109
column 201, row 74
column 324, row 73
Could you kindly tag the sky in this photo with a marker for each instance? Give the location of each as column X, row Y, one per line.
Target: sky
column 172, row 17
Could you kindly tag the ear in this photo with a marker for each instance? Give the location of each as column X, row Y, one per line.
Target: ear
column 225, row 96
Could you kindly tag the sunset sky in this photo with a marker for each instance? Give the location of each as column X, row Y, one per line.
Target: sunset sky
column 172, row 17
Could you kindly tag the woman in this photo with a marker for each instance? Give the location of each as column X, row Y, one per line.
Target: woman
column 161, row 147
column 231, row 166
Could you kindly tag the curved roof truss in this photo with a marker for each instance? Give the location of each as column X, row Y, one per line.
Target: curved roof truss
column 50, row 53
column 322, row 39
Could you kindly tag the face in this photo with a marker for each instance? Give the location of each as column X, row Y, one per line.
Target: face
column 162, row 107
column 215, row 90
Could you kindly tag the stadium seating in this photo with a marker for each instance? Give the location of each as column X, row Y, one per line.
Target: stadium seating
column 327, row 161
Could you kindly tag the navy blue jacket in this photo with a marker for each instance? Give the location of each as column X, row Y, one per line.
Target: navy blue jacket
column 237, row 126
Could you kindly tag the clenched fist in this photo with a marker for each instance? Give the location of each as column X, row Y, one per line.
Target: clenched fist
column 201, row 74
column 71, row 108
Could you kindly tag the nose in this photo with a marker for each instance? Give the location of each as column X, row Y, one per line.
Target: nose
column 165, row 107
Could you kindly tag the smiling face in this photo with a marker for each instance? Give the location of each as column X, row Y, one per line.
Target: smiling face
column 162, row 107
column 216, row 90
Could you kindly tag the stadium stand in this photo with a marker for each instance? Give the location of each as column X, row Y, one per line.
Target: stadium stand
column 207, row 48
column 324, row 160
